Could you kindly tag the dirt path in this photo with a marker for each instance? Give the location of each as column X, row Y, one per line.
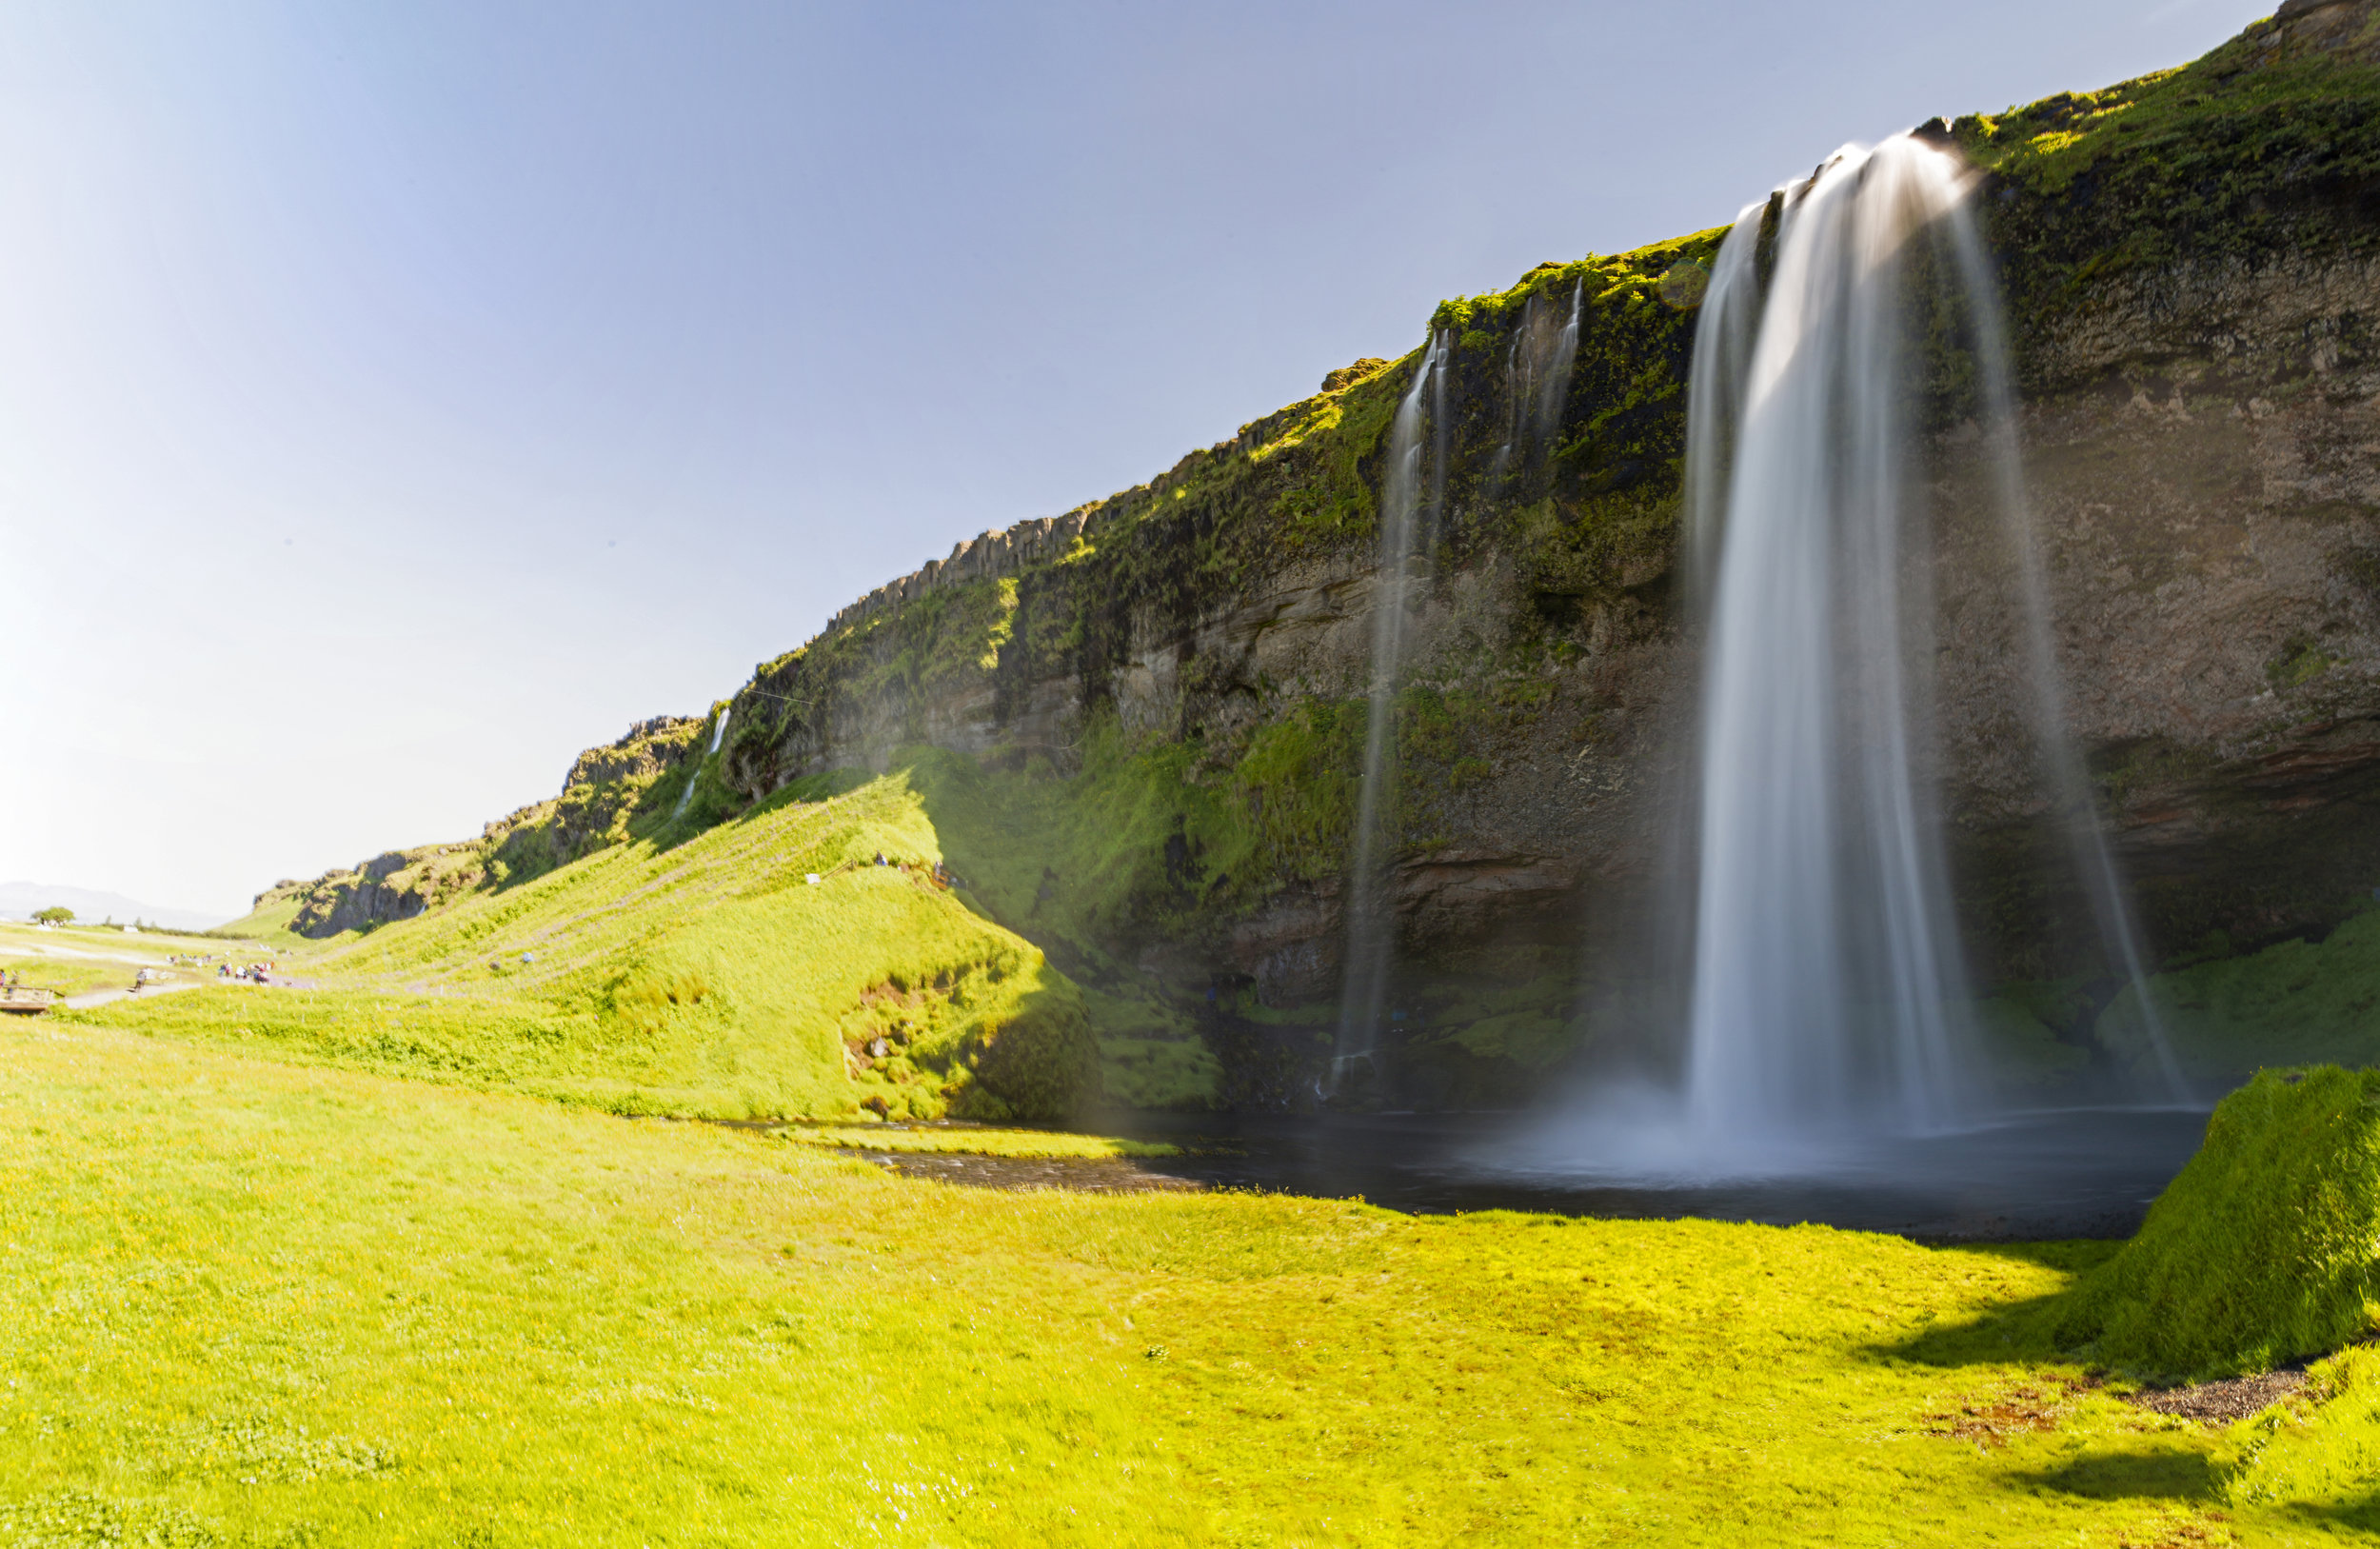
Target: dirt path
column 101, row 997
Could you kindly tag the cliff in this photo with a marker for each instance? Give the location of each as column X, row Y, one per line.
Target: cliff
column 1137, row 727
column 602, row 792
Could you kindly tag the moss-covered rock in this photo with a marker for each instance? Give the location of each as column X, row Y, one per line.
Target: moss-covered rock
column 2265, row 1250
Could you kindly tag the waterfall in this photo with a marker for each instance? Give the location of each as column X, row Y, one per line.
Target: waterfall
column 1554, row 378
column 1828, row 988
column 719, row 735
column 1408, row 527
column 1826, row 966
column 1537, row 384
column 2111, row 909
column 1723, row 338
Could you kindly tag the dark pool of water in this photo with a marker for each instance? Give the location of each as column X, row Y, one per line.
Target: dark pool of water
column 2072, row 1173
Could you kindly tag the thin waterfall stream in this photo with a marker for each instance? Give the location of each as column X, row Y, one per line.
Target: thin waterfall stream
column 719, row 735
column 1408, row 519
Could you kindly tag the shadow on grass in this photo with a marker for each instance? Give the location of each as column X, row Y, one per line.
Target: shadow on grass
column 2014, row 1331
column 2360, row 1516
column 718, row 810
column 2165, row 1475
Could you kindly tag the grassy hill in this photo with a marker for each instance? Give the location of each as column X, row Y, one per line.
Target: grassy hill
column 712, row 977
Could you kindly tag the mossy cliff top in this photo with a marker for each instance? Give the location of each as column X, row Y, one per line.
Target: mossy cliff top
column 2264, row 1251
column 2266, row 150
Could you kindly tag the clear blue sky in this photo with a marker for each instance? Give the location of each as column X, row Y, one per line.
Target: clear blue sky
column 398, row 398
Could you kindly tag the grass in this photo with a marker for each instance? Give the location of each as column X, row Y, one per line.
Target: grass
column 712, row 979
column 2262, row 1252
column 2324, row 1467
column 268, row 924
column 69, row 976
column 2229, row 159
column 972, row 1140
column 254, row 1303
column 77, row 960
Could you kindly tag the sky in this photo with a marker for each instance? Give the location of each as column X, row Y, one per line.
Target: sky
column 396, row 399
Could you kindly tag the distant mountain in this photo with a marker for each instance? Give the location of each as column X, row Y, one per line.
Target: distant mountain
column 20, row 899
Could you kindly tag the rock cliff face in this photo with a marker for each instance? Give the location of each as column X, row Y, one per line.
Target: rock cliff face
column 597, row 798
column 1138, row 724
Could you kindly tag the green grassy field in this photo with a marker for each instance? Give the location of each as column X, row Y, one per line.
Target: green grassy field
column 68, row 975
column 254, row 1302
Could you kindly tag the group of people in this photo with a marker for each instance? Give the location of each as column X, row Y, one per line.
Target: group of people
column 256, row 972
column 942, row 875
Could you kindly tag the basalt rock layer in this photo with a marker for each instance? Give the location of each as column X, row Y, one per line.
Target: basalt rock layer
column 1138, row 726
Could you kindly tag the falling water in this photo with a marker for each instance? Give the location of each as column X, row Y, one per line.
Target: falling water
column 719, row 735
column 1538, row 366
column 1826, row 965
column 2111, row 909
column 1554, row 379
column 1408, row 519
column 1827, row 985
column 1723, row 339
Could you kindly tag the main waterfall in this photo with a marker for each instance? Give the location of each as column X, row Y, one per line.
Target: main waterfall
column 1827, row 989
column 1825, row 961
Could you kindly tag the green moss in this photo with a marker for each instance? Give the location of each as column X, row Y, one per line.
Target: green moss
column 2299, row 663
column 2294, row 1002
column 2024, row 1049
column 1134, row 848
column 971, row 1139
column 1301, row 779
column 2266, row 1249
column 1324, row 501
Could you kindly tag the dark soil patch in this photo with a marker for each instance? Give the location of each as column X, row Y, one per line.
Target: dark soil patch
column 2031, row 1406
column 2219, row 1403
column 1088, row 1175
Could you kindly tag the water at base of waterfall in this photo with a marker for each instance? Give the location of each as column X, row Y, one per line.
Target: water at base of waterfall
column 2027, row 1176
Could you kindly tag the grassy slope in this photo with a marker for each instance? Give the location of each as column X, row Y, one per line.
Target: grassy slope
column 2262, row 1252
column 1135, row 846
column 268, row 924
column 708, row 978
column 68, row 975
column 79, row 959
column 249, row 1302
